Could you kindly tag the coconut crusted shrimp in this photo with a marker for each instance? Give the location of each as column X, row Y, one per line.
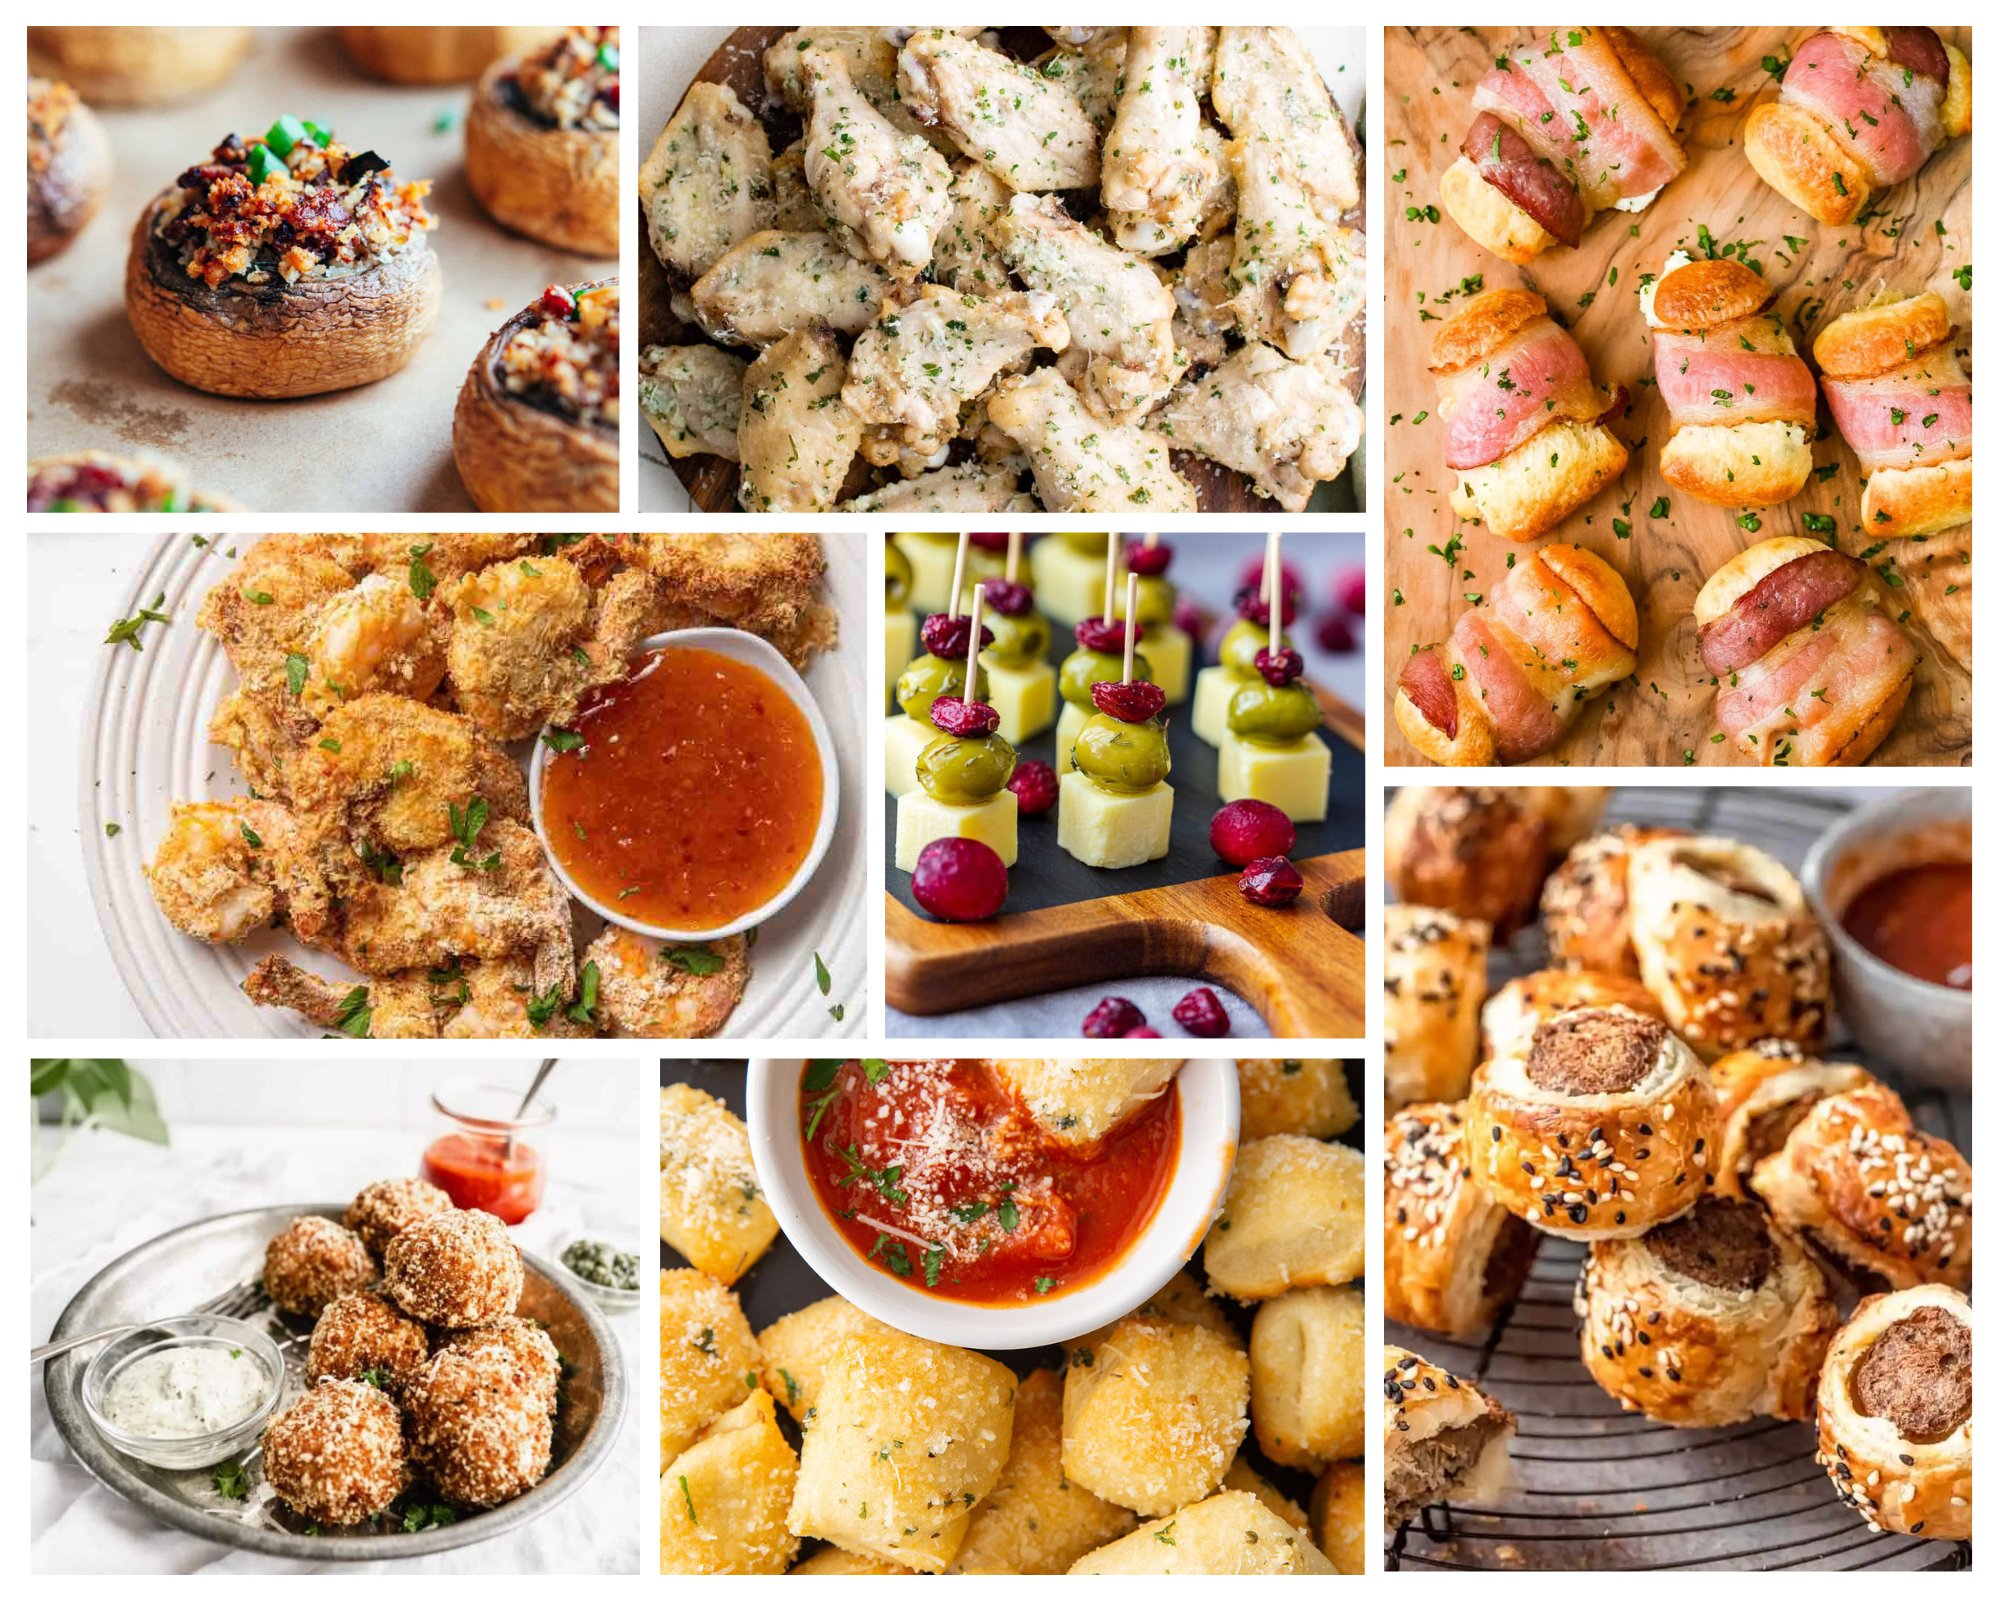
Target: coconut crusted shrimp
column 648, row 989
column 226, row 868
column 471, row 1000
column 764, row 583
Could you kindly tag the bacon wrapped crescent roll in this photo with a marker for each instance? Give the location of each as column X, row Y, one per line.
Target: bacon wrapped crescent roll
column 1809, row 670
column 1861, row 110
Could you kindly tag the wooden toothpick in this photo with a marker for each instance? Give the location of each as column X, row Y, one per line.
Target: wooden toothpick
column 958, row 573
column 972, row 645
column 1274, row 587
column 1110, row 573
column 1153, row 540
column 1014, row 556
column 1131, row 620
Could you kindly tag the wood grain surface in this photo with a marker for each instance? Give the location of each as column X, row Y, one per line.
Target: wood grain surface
column 1914, row 238
column 711, row 481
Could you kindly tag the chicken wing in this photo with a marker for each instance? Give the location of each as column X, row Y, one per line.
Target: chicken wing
column 1299, row 281
column 648, row 989
column 932, row 354
column 226, row 868
column 1267, row 87
column 871, row 68
column 965, row 258
column 793, row 209
column 706, row 183
column 1119, row 313
column 968, row 486
column 885, row 194
column 774, row 282
column 797, row 437
column 1157, row 169
column 1284, row 424
column 692, row 394
column 467, row 1000
column 1080, row 462
column 1028, row 130
column 1092, row 73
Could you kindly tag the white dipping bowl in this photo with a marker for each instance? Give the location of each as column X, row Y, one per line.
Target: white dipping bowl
column 753, row 651
column 1207, row 1155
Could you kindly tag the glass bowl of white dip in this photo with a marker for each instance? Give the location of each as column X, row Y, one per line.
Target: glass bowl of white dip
column 184, row 1392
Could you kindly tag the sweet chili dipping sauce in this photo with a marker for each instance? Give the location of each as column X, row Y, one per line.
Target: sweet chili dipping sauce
column 693, row 796
column 1919, row 920
column 935, row 1173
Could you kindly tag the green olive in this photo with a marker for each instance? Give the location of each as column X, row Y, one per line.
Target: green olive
column 1018, row 640
column 1241, row 644
column 1156, row 602
column 981, row 563
column 1124, row 757
column 1086, row 543
column 927, row 677
column 1264, row 713
column 963, row 772
column 896, row 577
column 1085, row 667
column 935, row 537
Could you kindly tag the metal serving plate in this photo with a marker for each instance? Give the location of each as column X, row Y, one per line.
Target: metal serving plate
column 178, row 1270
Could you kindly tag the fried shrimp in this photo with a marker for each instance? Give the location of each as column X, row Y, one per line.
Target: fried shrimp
column 376, row 635
column 228, row 867
column 467, row 1000
column 649, row 989
column 763, row 583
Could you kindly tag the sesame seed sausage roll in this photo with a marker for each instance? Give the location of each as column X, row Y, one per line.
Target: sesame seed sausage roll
column 1728, row 946
column 1765, row 1092
column 1887, row 1203
column 1713, row 1318
column 1451, row 1256
column 1507, row 1024
column 1472, row 851
column 1587, row 903
column 1602, row 1128
column 1433, row 981
column 1442, row 1439
column 1895, row 1413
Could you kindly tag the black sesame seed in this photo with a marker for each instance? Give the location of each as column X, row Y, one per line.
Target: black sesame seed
column 1620, row 1219
column 1496, row 1135
column 1579, row 1214
column 1646, row 1129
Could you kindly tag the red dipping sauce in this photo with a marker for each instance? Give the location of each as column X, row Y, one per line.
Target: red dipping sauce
column 486, row 1174
column 937, row 1175
column 1919, row 920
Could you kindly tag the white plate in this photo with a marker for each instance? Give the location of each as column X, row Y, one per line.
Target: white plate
column 144, row 745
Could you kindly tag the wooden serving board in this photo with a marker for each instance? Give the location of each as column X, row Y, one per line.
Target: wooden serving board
column 1664, row 716
column 711, row 481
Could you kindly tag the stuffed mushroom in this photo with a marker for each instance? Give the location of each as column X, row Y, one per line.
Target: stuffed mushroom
column 541, row 142
column 69, row 166
column 137, row 66
column 434, row 55
column 537, row 421
column 95, row 480
column 284, row 265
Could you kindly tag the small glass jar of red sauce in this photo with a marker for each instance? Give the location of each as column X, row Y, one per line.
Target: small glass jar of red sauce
column 483, row 1156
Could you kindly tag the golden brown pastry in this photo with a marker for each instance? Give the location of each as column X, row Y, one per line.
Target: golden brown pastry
column 1765, row 1092
column 1713, row 1318
column 1480, row 852
column 1510, row 1018
column 1433, row 981
column 1895, row 1413
column 1602, row 1128
column 1441, row 1439
column 1294, row 1096
column 1889, row 1205
column 1587, row 902
column 1571, row 810
column 1451, row 1256
column 1338, row 1517
column 1727, row 945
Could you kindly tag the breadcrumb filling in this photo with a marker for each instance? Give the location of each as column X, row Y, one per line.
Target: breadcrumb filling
column 573, row 81
column 565, row 359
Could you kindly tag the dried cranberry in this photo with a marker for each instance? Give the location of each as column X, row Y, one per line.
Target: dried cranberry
column 1009, row 599
column 1248, row 830
column 1187, row 617
column 1201, row 1014
column 1143, row 1033
column 948, row 636
column 1350, row 590
column 1252, row 607
column 987, row 539
column 1094, row 633
column 959, row 880
column 1035, row 788
column 1148, row 560
column 1335, row 635
column 1252, row 578
column 966, row 718
column 557, row 303
column 1287, row 666
column 1113, row 1019
column 1129, row 702
column 1272, row 881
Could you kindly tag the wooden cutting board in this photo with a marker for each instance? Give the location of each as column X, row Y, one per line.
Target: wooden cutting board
column 711, row 481
column 1665, row 715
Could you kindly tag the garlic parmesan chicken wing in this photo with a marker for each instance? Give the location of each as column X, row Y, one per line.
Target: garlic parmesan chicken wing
column 649, row 989
column 1157, row 170
column 1283, row 424
column 775, row 282
column 467, row 1000
column 965, row 258
column 707, row 182
column 1091, row 72
column 226, row 868
column 692, row 394
column 797, row 437
column 1300, row 281
column 1120, row 315
column 933, row 354
column 871, row 68
column 1081, row 462
column 977, row 485
column 884, row 193
column 1028, row 130
column 1266, row 87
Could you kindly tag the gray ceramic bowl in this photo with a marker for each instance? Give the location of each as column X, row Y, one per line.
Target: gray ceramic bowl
column 1923, row 1028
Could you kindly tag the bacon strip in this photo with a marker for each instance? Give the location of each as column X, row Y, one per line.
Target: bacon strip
column 1622, row 148
column 1808, row 700
column 1537, row 377
column 1513, row 166
column 1427, row 681
column 1915, row 415
column 1782, row 602
column 1742, row 371
column 1514, row 97
column 1524, row 723
column 1889, row 114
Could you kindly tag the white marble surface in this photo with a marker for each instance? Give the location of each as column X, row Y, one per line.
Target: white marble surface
column 108, row 1194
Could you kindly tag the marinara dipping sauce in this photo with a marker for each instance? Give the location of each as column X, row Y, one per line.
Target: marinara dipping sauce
column 693, row 796
column 935, row 1173
column 505, row 1177
column 1919, row 920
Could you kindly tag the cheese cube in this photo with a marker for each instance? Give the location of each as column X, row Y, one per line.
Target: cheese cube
column 1069, row 585
column 1024, row 696
column 1169, row 652
column 1214, row 688
column 1102, row 829
column 899, row 647
column 931, row 557
column 1068, row 726
column 1293, row 777
column 903, row 740
column 920, row 818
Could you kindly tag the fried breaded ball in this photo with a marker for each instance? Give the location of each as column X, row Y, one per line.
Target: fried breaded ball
column 363, row 1334
column 383, row 1210
column 456, row 1269
column 478, row 1426
column 517, row 1341
column 312, row 1264
column 335, row 1454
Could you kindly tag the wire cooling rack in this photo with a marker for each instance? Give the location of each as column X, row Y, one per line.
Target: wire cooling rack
column 1600, row 1488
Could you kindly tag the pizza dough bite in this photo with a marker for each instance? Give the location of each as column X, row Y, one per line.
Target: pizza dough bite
column 712, row 1208
column 1292, row 1096
column 1339, row 1517
column 1294, row 1217
column 706, row 1354
column 1081, row 1101
column 1179, row 1299
column 1241, row 1475
column 797, row 1347
column 1309, row 1376
column 834, row 1562
column 1228, row 1535
column 723, row 1500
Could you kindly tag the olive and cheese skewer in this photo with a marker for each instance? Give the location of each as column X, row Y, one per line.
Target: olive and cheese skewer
column 1095, row 660
column 1023, row 682
column 1270, row 749
column 962, row 773
column 938, row 671
column 1117, row 808
column 1169, row 650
